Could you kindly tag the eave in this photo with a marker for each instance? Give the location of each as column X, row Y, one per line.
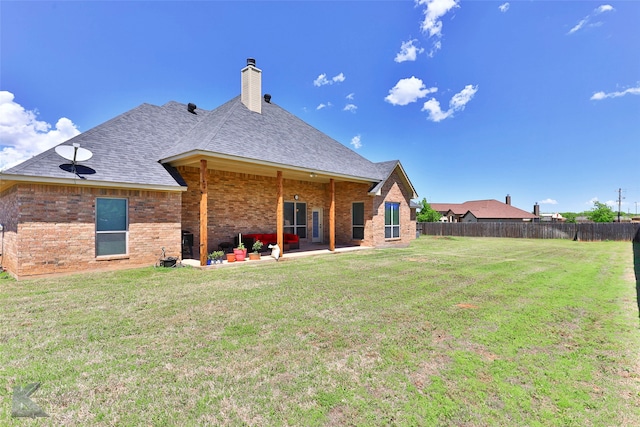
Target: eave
column 230, row 163
column 8, row 181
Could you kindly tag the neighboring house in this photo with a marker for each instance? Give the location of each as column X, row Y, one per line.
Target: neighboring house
column 551, row 217
column 247, row 166
column 483, row 211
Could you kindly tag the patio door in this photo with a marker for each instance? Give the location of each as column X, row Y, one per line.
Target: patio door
column 316, row 226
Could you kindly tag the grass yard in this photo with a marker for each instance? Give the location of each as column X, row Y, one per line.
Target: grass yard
column 450, row 331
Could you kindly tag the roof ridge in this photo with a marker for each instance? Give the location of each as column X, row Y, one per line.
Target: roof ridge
column 225, row 117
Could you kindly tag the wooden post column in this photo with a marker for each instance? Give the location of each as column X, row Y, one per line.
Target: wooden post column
column 280, row 214
column 332, row 215
column 204, row 217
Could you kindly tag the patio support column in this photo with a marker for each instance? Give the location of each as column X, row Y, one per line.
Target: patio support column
column 204, row 218
column 332, row 215
column 280, row 214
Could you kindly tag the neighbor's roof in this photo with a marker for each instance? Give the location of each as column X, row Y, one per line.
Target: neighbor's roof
column 484, row 209
column 132, row 148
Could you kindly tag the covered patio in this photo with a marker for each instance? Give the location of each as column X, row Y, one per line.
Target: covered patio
column 305, row 250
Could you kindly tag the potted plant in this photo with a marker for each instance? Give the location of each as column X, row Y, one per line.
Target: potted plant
column 231, row 257
column 240, row 252
column 256, row 250
column 215, row 256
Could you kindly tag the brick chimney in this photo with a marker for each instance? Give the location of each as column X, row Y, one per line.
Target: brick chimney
column 508, row 200
column 536, row 209
column 251, row 94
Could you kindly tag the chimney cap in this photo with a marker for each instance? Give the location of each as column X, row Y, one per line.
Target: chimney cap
column 251, row 62
column 267, row 98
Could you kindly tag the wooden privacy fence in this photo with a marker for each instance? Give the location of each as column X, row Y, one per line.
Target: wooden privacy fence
column 589, row 232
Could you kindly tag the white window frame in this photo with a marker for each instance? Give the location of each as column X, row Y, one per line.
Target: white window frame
column 391, row 230
column 125, row 232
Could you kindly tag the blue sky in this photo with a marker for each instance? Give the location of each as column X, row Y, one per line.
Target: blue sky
column 477, row 99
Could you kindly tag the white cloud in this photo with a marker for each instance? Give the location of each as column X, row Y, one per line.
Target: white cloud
column 355, row 141
column 322, row 79
column 435, row 111
column 407, row 91
column 457, row 103
column 339, row 78
column 23, row 136
column 433, row 12
column 351, row 96
column 321, row 106
column 504, row 7
column 584, row 21
column 350, row 107
column 610, row 203
column 601, row 95
column 460, row 99
column 408, row 52
column 604, row 8
column 548, row 202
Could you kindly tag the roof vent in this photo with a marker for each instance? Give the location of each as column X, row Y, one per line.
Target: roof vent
column 251, row 61
column 191, row 108
column 267, row 98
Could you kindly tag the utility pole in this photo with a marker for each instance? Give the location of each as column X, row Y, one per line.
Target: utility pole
column 619, row 202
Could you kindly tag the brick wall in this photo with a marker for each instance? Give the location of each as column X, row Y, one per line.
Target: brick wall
column 348, row 193
column 9, row 221
column 56, row 229
column 245, row 203
column 394, row 191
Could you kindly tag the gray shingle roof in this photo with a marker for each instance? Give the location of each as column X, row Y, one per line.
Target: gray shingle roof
column 131, row 147
column 126, row 149
column 275, row 136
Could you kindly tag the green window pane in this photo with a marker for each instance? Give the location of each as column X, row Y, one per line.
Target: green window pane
column 358, row 233
column 301, row 232
column 358, row 214
column 111, row 214
column 111, row 244
column 301, row 214
column 289, row 213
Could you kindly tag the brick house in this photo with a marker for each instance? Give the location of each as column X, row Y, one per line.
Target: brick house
column 247, row 166
column 484, row 211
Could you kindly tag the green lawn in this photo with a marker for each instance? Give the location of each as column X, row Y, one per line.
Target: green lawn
column 450, row 331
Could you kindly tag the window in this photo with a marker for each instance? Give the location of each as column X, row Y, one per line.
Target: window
column 357, row 221
column 295, row 219
column 112, row 225
column 391, row 220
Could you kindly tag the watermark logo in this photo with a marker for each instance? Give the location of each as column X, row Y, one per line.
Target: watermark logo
column 23, row 406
